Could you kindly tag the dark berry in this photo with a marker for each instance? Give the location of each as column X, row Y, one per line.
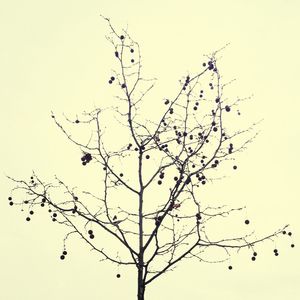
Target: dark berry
column 230, row 267
column 118, row 275
column 247, row 222
column 62, row 257
column 227, row 108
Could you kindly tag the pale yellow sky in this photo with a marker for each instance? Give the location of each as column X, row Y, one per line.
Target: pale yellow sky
column 54, row 56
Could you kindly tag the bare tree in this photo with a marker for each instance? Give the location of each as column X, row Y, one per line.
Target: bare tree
column 169, row 161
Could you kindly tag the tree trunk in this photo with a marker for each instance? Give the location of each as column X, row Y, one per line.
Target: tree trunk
column 141, row 285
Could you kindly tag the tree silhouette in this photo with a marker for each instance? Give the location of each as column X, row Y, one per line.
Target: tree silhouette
column 149, row 202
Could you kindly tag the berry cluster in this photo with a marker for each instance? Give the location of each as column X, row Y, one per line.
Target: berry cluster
column 86, row 158
column 63, row 256
column 112, row 79
column 91, row 233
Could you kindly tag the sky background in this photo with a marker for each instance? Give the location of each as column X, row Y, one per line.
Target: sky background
column 54, row 57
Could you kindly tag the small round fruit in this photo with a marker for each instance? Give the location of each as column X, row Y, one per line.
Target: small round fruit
column 92, row 236
column 247, row 222
column 234, row 167
column 62, row 257
column 253, row 258
column 292, row 245
column 230, row 267
column 118, row 275
column 31, row 212
column 9, row 198
column 90, row 231
column 11, row 203
column 27, row 219
column 65, row 252
column 159, row 182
